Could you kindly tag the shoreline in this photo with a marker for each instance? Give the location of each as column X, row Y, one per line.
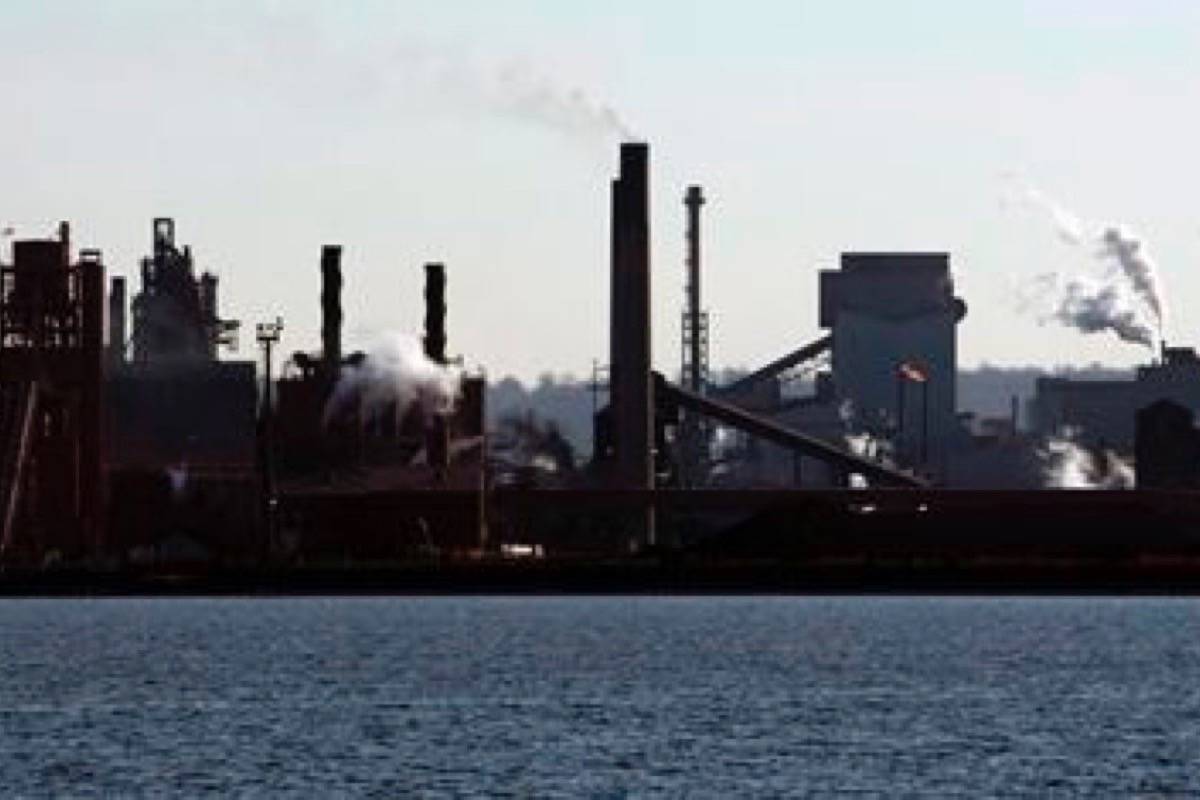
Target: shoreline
column 635, row 577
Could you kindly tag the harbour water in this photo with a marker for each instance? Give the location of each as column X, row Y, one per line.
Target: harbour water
column 600, row 697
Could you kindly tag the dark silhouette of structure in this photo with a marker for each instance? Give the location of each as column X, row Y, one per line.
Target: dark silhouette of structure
column 51, row 385
column 695, row 434
column 331, row 307
column 1167, row 447
column 175, row 314
column 631, row 401
column 147, row 452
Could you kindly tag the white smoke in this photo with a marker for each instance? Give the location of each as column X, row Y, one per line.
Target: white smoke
column 395, row 374
column 1125, row 298
column 1068, row 465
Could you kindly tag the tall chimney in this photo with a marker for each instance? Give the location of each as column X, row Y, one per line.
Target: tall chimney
column 435, row 312
column 116, row 320
column 331, row 306
column 694, row 199
column 91, row 405
column 437, row 434
column 632, row 401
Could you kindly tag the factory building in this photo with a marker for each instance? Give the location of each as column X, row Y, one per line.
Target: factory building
column 1103, row 413
column 173, row 401
column 180, row 423
column 52, row 503
column 1167, row 447
column 888, row 379
column 893, row 319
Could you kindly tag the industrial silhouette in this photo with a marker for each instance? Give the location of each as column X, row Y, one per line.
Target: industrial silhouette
column 153, row 455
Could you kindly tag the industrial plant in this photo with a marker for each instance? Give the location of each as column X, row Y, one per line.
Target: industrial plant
column 134, row 452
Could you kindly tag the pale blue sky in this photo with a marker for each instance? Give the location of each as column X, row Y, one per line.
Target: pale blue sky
column 268, row 129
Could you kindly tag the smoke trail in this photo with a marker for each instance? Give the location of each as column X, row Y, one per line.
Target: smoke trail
column 394, row 374
column 1068, row 226
column 1127, row 298
column 514, row 89
column 1068, row 465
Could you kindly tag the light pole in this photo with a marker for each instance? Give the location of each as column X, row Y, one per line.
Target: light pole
column 913, row 371
column 267, row 334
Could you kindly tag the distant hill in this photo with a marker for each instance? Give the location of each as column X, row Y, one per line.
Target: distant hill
column 988, row 391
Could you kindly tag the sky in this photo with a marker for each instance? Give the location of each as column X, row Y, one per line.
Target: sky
column 483, row 134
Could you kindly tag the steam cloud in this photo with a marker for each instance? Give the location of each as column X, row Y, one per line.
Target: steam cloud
column 1068, row 465
column 1126, row 298
column 394, row 375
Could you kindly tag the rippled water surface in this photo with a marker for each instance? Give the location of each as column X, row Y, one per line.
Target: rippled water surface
column 600, row 697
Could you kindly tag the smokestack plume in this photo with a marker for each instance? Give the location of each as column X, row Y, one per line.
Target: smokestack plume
column 1127, row 252
column 1126, row 298
column 331, row 306
column 435, row 313
column 1091, row 305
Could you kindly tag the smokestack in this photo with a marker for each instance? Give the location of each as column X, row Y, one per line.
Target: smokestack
column 632, row 401
column 437, row 435
column 331, row 307
column 693, row 200
column 435, row 312
column 91, row 409
column 116, row 320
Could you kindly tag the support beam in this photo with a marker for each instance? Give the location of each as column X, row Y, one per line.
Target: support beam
column 793, row 440
column 793, row 359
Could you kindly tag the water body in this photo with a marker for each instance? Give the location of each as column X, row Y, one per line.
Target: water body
column 600, row 697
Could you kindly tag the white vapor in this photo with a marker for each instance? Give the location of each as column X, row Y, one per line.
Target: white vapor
column 1068, row 465
column 1125, row 298
column 1066, row 224
column 394, row 374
